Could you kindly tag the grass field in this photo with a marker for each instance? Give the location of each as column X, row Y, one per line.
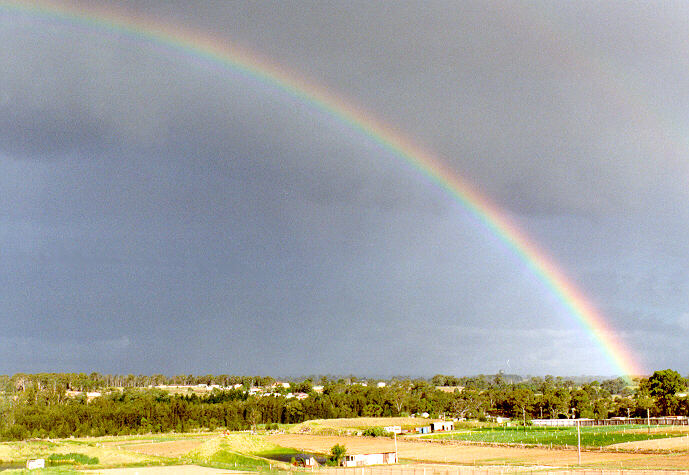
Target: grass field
column 239, row 451
column 597, row 436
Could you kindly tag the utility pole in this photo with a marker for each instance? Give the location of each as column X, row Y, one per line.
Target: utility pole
column 397, row 459
column 579, row 441
column 648, row 419
column 524, row 416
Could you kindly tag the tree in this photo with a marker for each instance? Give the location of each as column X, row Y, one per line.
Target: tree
column 581, row 402
column 337, row 453
column 664, row 385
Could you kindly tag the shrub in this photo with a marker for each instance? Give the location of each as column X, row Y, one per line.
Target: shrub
column 375, row 432
column 73, row 458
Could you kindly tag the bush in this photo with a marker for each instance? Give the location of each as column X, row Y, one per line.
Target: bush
column 80, row 459
column 375, row 432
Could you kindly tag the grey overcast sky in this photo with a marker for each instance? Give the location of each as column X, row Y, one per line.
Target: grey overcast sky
column 162, row 214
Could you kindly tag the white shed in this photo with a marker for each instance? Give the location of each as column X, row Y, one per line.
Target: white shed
column 357, row 460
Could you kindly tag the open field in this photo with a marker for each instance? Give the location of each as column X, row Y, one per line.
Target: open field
column 343, row 426
column 240, row 451
column 596, row 436
column 472, row 454
column 107, row 456
column 227, row 453
column 669, row 444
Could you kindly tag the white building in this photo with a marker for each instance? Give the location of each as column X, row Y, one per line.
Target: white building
column 557, row 422
column 33, row 464
column 442, row 425
column 357, row 460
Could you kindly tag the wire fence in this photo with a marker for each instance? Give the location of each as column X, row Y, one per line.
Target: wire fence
column 467, row 470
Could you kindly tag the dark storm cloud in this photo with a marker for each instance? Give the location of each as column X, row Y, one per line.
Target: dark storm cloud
column 549, row 109
column 150, row 202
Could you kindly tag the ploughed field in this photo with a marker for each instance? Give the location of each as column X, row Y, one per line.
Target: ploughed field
column 596, row 436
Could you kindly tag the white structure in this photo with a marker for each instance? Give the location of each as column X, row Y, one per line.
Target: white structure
column 442, row 425
column 557, row 422
column 358, row 460
column 33, row 464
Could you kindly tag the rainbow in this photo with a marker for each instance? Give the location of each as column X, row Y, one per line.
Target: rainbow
column 196, row 45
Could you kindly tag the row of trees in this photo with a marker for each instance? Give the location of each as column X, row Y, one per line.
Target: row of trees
column 37, row 405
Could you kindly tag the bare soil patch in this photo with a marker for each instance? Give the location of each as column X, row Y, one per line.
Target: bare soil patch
column 357, row 423
column 671, row 443
column 172, row 448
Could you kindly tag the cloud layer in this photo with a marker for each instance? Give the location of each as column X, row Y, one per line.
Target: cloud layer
column 216, row 224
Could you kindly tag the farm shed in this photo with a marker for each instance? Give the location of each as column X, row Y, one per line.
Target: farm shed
column 442, row 425
column 423, row 430
column 305, row 460
column 357, row 460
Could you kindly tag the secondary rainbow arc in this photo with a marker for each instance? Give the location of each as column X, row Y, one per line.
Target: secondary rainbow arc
column 197, row 45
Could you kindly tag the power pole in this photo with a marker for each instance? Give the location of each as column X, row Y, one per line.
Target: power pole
column 397, row 459
column 579, row 441
column 648, row 419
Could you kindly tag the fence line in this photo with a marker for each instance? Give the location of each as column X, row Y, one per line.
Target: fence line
column 468, row 470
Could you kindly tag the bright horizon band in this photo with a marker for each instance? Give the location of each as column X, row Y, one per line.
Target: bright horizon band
column 195, row 44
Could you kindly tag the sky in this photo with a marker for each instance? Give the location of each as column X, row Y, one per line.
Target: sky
column 162, row 213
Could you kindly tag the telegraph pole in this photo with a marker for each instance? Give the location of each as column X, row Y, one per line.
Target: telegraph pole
column 397, row 459
column 579, row 441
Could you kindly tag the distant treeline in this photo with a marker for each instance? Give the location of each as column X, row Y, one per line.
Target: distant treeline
column 44, row 405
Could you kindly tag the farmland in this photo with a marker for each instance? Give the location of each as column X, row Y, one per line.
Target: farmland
column 593, row 437
column 256, row 452
column 417, row 451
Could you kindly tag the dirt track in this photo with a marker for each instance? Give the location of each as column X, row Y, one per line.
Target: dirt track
column 458, row 453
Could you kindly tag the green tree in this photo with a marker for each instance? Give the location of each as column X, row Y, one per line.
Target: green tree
column 337, row 453
column 664, row 385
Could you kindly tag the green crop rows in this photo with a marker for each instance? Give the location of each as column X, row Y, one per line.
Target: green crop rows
column 597, row 436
